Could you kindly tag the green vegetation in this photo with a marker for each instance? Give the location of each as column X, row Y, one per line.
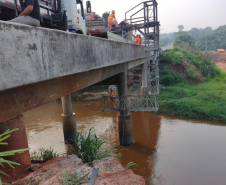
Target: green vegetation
column 181, row 96
column 183, row 39
column 215, row 40
column 129, row 165
column 197, row 33
column 89, row 147
column 87, row 92
column 69, row 179
column 166, row 39
column 180, row 27
column 44, row 154
column 3, row 137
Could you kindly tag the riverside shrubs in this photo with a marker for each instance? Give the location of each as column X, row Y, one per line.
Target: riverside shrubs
column 44, row 154
column 89, row 147
column 181, row 97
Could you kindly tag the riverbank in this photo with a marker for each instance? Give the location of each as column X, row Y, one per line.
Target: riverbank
column 195, row 90
column 71, row 170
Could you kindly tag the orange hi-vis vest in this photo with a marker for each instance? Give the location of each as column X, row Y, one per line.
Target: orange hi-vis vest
column 111, row 17
column 138, row 40
column 112, row 94
column 91, row 16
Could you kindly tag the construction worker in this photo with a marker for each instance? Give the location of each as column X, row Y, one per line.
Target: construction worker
column 138, row 39
column 112, row 95
column 112, row 20
column 141, row 39
column 92, row 16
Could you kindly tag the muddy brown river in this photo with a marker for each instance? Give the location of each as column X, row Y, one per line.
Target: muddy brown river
column 167, row 150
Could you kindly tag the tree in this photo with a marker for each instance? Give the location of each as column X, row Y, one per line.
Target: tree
column 215, row 39
column 180, row 27
column 183, row 39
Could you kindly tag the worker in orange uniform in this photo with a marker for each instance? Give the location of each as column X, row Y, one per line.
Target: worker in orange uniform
column 112, row 20
column 112, row 95
column 138, row 39
column 92, row 16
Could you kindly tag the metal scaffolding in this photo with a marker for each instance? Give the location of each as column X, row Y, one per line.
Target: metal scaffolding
column 143, row 18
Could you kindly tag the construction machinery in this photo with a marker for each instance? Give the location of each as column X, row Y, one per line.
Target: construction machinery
column 55, row 14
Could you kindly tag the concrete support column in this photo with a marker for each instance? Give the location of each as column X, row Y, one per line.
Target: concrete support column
column 17, row 140
column 144, row 87
column 125, row 127
column 68, row 119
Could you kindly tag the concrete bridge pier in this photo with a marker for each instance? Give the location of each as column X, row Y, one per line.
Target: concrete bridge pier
column 16, row 141
column 68, row 119
column 125, row 127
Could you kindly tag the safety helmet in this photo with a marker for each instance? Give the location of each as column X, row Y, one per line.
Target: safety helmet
column 112, row 89
column 113, row 11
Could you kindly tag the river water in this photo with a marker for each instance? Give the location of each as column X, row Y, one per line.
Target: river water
column 167, row 150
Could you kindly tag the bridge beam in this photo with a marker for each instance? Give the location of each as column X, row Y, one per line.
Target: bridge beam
column 125, row 127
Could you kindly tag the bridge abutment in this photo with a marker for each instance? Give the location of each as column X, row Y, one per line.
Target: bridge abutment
column 16, row 141
column 125, row 127
column 68, row 120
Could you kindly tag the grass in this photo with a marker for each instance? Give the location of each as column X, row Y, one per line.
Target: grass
column 201, row 101
column 69, row 179
column 79, row 95
column 44, row 154
column 89, row 147
column 180, row 97
column 129, row 165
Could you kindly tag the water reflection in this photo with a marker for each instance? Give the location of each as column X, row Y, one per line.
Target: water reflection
column 167, row 150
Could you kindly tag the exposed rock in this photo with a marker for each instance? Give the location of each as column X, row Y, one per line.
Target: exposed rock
column 35, row 167
column 111, row 172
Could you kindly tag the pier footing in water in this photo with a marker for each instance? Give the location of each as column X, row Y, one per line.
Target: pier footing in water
column 125, row 129
column 68, row 120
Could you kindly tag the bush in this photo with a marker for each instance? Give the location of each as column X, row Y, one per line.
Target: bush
column 172, row 56
column 89, row 147
column 169, row 77
column 202, row 101
column 44, row 154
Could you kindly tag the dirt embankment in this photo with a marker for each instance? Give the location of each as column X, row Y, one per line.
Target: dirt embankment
column 111, row 172
column 219, row 59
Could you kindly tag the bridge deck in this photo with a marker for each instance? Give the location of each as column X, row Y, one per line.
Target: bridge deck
column 30, row 55
column 40, row 65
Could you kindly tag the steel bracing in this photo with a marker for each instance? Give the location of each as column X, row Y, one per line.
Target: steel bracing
column 144, row 19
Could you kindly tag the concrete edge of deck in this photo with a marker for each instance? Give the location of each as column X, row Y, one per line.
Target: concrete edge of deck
column 30, row 55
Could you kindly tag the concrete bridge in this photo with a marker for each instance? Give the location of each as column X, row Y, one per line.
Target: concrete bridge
column 40, row 65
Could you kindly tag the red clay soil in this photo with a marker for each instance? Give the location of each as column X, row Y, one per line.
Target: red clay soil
column 111, row 172
column 184, row 67
column 16, row 173
column 219, row 59
column 200, row 78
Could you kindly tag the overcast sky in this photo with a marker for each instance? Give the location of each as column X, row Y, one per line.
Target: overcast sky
column 190, row 13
